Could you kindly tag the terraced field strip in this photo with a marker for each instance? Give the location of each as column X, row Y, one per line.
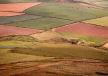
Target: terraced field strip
column 14, row 9
column 103, row 21
column 84, row 29
column 12, row 30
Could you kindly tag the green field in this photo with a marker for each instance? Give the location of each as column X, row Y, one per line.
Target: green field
column 92, row 40
column 6, row 56
column 65, row 11
column 63, row 50
column 99, row 21
column 41, row 23
column 4, row 20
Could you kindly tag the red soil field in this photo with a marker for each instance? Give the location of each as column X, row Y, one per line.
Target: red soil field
column 6, row 30
column 2, row 14
column 85, row 29
column 14, row 8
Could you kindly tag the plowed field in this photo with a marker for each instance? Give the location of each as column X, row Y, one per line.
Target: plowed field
column 12, row 30
column 14, row 9
column 85, row 29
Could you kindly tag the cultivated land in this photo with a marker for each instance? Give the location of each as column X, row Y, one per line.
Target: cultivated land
column 99, row 21
column 85, row 29
column 65, row 11
column 5, row 20
column 13, row 9
column 44, row 23
column 52, row 38
column 6, row 30
column 61, row 15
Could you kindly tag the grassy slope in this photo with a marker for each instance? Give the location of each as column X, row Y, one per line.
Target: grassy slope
column 6, row 56
column 65, row 11
column 99, row 21
column 41, row 23
column 64, row 50
column 89, row 39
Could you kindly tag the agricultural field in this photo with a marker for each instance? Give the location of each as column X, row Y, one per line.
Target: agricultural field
column 103, row 21
column 65, row 11
column 13, row 9
column 85, row 29
column 5, row 20
column 44, row 23
column 13, row 30
column 53, row 38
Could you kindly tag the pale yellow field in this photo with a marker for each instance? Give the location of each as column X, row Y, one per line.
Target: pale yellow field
column 99, row 21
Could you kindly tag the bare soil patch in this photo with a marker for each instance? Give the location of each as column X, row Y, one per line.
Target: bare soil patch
column 85, row 29
column 13, row 9
column 12, row 30
column 56, row 67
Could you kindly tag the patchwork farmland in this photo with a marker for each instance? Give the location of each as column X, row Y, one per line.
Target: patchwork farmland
column 53, row 37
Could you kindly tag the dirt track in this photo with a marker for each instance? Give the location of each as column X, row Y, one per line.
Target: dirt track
column 13, row 9
column 12, row 30
column 85, row 29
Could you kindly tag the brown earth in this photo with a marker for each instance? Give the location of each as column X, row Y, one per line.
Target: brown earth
column 85, row 29
column 105, row 46
column 2, row 14
column 13, row 9
column 56, row 67
column 6, row 30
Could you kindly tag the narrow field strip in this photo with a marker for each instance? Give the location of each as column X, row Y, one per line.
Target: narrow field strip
column 12, row 30
column 4, row 20
column 3, row 14
column 84, row 29
column 103, row 21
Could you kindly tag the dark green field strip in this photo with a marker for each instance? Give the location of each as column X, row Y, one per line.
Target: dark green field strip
column 64, row 50
column 65, row 11
column 4, row 20
column 41, row 23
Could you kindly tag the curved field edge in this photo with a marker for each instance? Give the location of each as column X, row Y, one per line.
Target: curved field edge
column 6, row 57
column 90, row 39
column 63, row 50
column 64, row 11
